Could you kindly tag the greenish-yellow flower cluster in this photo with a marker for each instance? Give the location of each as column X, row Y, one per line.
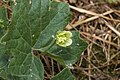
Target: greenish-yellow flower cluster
column 63, row 38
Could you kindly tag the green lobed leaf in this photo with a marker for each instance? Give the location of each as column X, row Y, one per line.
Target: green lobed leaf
column 32, row 28
column 65, row 74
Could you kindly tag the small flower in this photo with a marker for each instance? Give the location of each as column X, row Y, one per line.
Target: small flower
column 63, row 38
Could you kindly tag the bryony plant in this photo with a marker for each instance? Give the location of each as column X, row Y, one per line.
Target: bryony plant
column 33, row 25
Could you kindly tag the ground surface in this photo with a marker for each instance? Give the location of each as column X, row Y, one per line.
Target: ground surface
column 99, row 24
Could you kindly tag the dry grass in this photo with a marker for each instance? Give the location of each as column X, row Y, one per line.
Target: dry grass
column 99, row 25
